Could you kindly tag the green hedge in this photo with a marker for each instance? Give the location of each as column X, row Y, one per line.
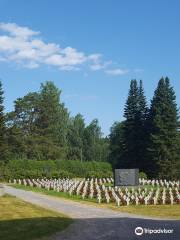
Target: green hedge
column 54, row 169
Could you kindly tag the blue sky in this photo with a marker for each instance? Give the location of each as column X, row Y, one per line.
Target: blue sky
column 90, row 49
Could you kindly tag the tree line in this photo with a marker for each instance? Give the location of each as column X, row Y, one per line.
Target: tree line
column 40, row 127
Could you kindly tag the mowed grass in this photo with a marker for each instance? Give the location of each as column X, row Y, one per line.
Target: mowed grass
column 23, row 221
column 159, row 211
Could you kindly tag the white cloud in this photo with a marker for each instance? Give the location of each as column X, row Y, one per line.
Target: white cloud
column 98, row 63
column 15, row 30
column 23, row 46
column 117, row 71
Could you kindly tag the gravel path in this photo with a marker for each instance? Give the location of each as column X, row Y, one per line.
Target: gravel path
column 93, row 223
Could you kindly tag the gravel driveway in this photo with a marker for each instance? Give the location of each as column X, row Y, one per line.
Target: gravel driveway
column 93, row 223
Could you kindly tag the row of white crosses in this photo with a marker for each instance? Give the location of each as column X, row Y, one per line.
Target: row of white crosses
column 159, row 183
column 95, row 188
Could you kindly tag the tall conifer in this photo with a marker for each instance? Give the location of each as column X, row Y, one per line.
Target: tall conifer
column 134, row 126
column 163, row 124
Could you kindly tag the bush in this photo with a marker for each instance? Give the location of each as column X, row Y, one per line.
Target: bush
column 142, row 175
column 85, row 169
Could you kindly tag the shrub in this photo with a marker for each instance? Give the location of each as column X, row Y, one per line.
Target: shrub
column 83, row 169
column 142, row 175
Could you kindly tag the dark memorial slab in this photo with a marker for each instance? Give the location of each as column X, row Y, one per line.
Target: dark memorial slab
column 126, row 177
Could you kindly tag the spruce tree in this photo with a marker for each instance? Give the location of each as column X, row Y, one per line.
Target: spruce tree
column 130, row 126
column 134, row 134
column 142, row 104
column 142, row 133
column 163, row 124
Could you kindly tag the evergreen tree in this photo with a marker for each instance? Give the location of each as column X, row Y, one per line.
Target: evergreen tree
column 134, row 133
column 130, row 125
column 52, row 121
column 163, row 124
column 26, row 112
column 37, row 128
column 15, row 138
column 3, row 141
column 177, row 174
column 142, row 133
column 21, row 127
column 142, row 104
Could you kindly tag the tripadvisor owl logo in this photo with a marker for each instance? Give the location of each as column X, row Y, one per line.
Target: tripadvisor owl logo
column 138, row 231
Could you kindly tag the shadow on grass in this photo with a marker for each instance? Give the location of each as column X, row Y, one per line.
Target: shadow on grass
column 32, row 228
column 118, row 229
column 86, row 229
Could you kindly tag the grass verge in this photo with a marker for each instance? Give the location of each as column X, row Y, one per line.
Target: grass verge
column 22, row 220
column 160, row 211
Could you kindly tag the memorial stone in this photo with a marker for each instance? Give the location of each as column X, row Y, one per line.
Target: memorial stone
column 126, row 177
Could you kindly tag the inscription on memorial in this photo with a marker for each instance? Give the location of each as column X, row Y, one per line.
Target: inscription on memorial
column 126, row 177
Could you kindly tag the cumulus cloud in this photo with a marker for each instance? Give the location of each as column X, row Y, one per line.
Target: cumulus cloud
column 15, row 30
column 24, row 46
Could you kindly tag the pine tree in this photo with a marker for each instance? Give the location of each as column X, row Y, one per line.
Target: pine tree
column 52, row 121
column 3, row 142
column 163, row 124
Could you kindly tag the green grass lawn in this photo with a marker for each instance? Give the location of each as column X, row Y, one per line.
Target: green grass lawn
column 23, row 221
column 164, row 211
column 160, row 211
